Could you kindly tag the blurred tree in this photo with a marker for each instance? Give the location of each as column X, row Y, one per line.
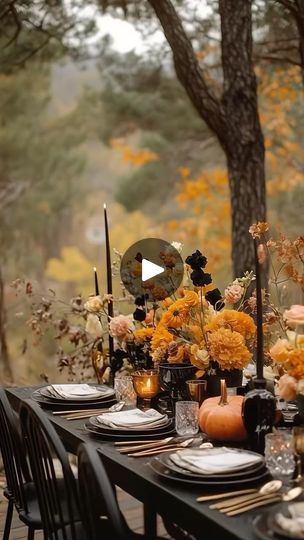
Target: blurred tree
column 295, row 10
column 41, row 29
column 230, row 111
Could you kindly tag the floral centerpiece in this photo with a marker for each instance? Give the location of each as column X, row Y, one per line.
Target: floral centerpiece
column 284, row 324
column 196, row 326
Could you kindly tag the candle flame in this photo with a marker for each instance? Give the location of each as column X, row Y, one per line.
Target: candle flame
column 104, row 206
column 94, row 268
column 149, row 383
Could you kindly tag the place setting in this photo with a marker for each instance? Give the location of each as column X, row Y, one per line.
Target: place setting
column 70, row 398
column 211, row 467
column 131, row 424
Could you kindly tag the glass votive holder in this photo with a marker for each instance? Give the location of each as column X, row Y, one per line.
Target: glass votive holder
column 279, row 455
column 186, row 417
column 124, row 390
column 197, row 390
column 146, row 385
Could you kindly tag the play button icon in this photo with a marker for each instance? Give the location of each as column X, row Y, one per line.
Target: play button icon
column 152, row 267
column 150, row 270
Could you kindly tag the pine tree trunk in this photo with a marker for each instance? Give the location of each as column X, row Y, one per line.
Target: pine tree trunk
column 244, row 142
column 5, row 366
column 234, row 117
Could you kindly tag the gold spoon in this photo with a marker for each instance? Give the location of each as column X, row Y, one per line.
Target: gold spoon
column 286, row 497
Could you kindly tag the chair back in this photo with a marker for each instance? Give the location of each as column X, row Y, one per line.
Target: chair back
column 13, row 455
column 56, row 491
column 101, row 515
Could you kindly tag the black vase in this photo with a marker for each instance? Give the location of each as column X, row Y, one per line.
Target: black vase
column 259, row 409
column 233, row 378
column 173, row 378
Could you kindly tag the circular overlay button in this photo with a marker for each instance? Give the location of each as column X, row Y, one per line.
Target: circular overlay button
column 152, row 267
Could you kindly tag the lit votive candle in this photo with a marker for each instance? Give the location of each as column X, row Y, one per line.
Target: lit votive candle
column 146, row 384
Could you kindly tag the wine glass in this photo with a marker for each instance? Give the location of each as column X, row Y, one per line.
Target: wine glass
column 298, row 435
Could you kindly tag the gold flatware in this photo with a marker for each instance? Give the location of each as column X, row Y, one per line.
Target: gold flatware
column 270, row 487
column 81, row 416
column 127, row 443
column 252, row 506
column 207, row 498
column 77, row 411
column 237, row 502
column 289, row 496
column 145, row 446
column 163, row 448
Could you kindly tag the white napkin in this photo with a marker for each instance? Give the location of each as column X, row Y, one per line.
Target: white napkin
column 78, row 391
column 133, row 419
column 294, row 524
column 213, row 460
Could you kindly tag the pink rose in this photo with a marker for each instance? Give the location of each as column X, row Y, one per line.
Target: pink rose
column 287, row 387
column 233, row 293
column 120, row 326
column 294, row 316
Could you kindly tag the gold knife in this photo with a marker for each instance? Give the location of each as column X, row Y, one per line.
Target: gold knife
column 238, row 500
column 206, row 498
column 253, row 505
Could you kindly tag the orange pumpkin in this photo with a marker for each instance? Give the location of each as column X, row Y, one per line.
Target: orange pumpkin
column 221, row 419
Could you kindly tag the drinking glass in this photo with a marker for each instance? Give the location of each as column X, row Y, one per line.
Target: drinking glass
column 186, row 417
column 298, row 435
column 124, row 390
column 197, row 390
column 279, row 455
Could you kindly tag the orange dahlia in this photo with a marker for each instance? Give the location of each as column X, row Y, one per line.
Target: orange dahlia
column 236, row 321
column 143, row 334
column 161, row 337
column 228, row 348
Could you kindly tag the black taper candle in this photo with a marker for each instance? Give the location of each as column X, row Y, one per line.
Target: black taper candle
column 96, row 282
column 109, row 278
column 259, row 405
column 259, row 316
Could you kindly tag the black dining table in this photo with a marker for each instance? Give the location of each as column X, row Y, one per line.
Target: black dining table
column 134, row 475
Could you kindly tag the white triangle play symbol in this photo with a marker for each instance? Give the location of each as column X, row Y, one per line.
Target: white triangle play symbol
column 149, row 270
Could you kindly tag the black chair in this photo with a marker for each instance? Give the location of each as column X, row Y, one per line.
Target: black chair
column 57, row 493
column 101, row 515
column 20, row 490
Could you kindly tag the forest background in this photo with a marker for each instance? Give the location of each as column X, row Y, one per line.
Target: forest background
column 83, row 123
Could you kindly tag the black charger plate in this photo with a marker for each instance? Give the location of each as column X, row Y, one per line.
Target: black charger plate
column 163, row 471
column 47, row 403
column 44, row 392
column 130, row 435
column 159, row 430
column 252, row 471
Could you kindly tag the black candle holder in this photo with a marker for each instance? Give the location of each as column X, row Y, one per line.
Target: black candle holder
column 259, row 408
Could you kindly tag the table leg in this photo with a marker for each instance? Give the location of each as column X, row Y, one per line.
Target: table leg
column 150, row 522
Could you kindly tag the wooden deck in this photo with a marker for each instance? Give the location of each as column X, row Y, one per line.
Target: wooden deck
column 131, row 508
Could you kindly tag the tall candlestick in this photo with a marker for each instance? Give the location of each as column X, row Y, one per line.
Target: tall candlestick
column 96, row 281
column 259, row 316
column 109, row 279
